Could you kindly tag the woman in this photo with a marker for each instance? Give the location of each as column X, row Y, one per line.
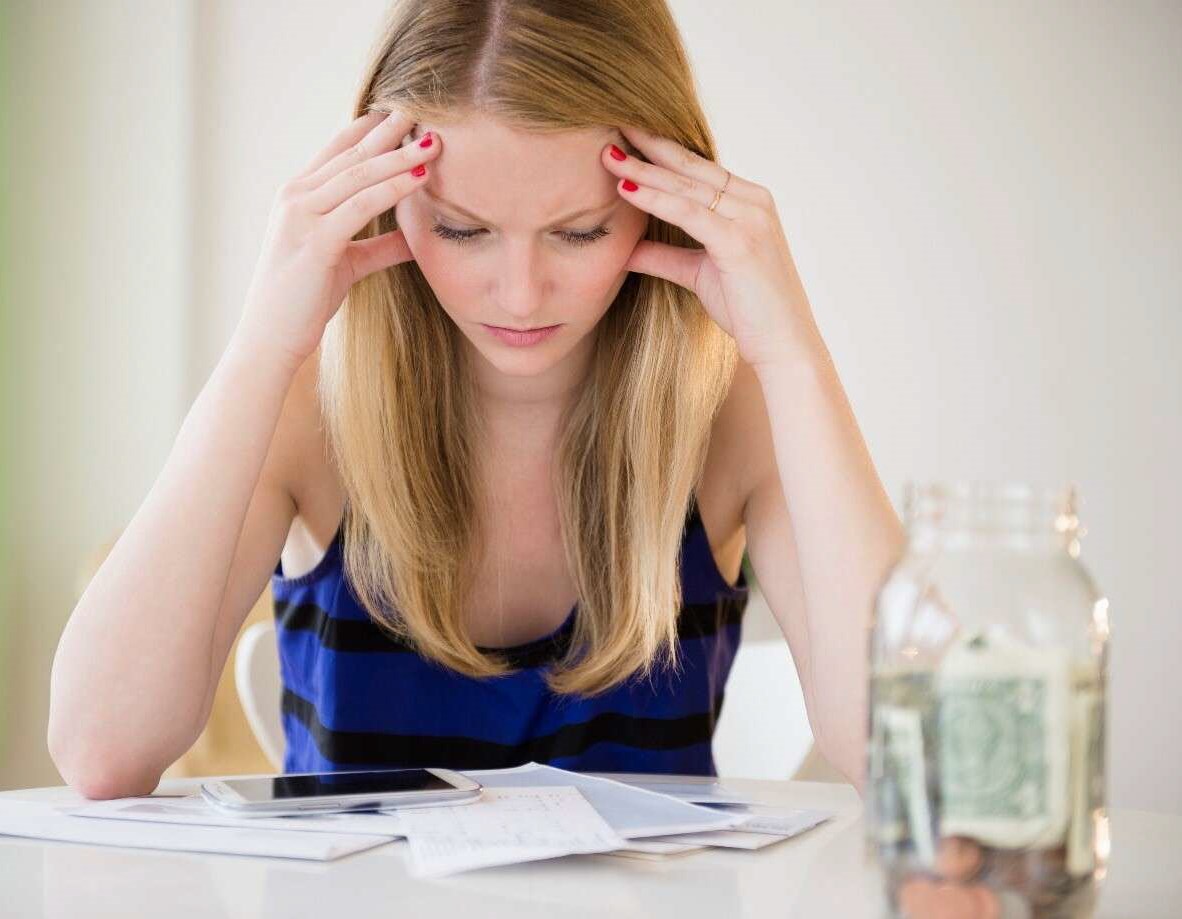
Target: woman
column 490, row 544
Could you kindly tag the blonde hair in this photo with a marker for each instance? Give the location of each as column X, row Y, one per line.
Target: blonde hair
column 396, row 390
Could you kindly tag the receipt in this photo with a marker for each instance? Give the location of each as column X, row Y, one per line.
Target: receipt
column 506, row 826
column 632, row 812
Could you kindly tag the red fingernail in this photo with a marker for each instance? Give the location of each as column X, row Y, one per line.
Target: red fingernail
column 419, row 171
column 629, row 185
column 617, row 153
column 426, row 141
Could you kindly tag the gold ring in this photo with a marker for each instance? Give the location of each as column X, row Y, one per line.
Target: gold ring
column 718, row 195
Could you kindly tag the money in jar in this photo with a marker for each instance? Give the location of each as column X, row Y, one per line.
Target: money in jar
column 988, row 673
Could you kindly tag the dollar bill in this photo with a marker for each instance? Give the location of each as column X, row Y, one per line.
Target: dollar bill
column 903, row 808
column 1087, row 770
column 1002, row 740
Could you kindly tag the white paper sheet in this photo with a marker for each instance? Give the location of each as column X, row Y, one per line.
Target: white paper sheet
column 784, row 821
column 656, row 849
column 194, row 810
column 41, row 820
column 764, row 827
column 695, row 789
column 632, row 812
column 506, row 826
column 726, row 839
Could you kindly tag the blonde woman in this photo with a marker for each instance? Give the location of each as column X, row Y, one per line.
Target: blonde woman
column 522, row 374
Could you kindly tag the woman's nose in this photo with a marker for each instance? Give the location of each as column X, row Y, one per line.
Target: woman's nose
column 522, row 286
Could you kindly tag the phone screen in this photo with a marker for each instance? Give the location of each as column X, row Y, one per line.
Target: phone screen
column 378, row 781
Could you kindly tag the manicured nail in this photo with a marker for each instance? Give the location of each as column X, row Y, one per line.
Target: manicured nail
column 617, row 153
column 426, row 141
column 419, row 171
column 629, row 185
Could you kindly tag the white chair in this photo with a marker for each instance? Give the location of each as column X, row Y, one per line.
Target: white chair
column 260, row 688
column 763, row 731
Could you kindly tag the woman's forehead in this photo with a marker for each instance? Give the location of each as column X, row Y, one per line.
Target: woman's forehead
column 593, row 136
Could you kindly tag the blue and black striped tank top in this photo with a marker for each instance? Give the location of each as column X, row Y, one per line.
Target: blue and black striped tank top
column 354, row 698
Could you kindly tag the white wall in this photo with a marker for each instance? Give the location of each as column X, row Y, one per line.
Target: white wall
column 985, row 204
column 98, row 147
column 981, row 198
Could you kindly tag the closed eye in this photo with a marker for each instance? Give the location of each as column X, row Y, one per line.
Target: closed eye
column 575, row 239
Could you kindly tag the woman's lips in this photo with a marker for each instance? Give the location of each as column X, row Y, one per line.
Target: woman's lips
column 519, row 338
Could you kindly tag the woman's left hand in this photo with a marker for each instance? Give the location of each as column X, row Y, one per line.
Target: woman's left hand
column 745, row 275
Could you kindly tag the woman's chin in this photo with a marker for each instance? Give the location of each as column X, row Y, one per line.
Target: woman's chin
column 519, row 362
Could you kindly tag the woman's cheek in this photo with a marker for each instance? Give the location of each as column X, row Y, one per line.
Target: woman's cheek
column 618, row 254
column 449, row 282
column 427, row 248
column 440, row 271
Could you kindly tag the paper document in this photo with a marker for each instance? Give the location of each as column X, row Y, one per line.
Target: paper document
column 763, row 827
column 784, row 821
column 632, row 812
column 726, row 839
column 656, row 849
column 41, row 820
column 507, row 825
column 697, row 789
column 194, row 810
column 524, row 813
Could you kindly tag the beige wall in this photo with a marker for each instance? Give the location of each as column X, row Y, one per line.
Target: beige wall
column 100, row 295
column 983, row 201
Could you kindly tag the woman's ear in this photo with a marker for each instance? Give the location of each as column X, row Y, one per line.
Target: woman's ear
column 627, row 146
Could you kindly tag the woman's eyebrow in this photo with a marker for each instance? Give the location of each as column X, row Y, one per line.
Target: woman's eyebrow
column 565, row 219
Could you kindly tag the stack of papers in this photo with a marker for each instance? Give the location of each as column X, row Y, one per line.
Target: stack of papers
column 41, row 820
column 525, row 813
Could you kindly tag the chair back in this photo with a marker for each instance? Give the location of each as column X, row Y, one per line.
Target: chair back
column 260, row 688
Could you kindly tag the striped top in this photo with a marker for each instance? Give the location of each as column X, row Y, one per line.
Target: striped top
column 354, row 698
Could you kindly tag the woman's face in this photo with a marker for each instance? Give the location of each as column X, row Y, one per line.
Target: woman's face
column 492, row 233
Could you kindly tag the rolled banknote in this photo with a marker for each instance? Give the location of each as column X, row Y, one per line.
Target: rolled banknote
column 907, row 812
column 1002, row 740
column 1087, row 768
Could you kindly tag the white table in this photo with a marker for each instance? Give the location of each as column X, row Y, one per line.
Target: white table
column 823, row 873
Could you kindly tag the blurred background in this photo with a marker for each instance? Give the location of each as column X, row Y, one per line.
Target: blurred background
column 983, row 198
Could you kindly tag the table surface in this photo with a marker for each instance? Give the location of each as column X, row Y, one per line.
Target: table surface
column 824, row 872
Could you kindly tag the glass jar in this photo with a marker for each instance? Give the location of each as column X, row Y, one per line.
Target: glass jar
column 988, row 684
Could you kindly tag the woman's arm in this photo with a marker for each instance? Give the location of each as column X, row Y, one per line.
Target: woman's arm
column 138, row 663
column 821, row 532
column 822, row 536
column 132, row 673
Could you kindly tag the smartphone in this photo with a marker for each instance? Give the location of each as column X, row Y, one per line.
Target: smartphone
column 338, row 792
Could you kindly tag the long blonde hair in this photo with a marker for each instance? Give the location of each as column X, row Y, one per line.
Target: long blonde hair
column 396, row 390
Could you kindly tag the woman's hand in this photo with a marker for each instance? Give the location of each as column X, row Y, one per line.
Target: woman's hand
column 745, row 276
column 309, row 259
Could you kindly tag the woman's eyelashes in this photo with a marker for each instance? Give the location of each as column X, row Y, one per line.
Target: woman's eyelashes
column 574, row 238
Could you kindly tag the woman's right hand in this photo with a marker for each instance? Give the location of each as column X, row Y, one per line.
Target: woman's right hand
column 309, row 259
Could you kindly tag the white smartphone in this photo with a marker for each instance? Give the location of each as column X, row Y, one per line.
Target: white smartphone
column 337, row 792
